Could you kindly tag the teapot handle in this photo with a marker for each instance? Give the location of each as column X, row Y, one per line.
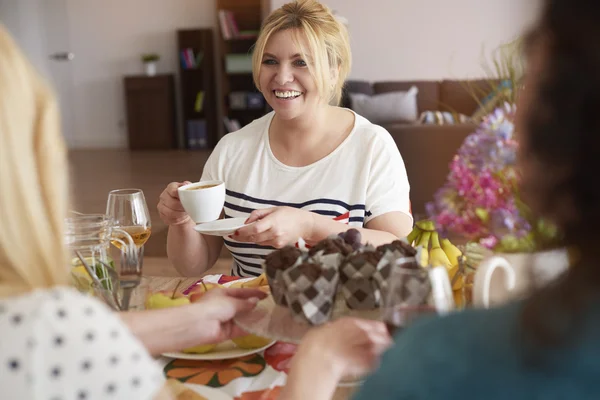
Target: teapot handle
column 483, row 279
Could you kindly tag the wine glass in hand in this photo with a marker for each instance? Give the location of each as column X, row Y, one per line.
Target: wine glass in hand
column 407, row 295
column 129, row 211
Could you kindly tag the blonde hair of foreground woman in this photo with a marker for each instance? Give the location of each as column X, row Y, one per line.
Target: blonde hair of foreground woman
column 33, row 178
column 327, row 38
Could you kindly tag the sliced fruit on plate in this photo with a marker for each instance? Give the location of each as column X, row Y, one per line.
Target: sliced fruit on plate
column 257, row 282
column 251, row 342
column 202, row 349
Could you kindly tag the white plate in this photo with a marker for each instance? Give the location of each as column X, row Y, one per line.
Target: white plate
column 208, row 392
column 221, row 227
column 223, row 351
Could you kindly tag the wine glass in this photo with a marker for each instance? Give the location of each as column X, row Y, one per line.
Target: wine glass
column 129, row 211
column 407, row 295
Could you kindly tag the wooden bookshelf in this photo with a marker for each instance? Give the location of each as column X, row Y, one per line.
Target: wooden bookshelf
column 197, row 88
column 248, row 15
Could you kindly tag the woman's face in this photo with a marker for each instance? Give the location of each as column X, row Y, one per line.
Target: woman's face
column 284, row 78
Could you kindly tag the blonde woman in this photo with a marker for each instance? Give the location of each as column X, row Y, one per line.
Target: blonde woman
column 308, row 169
column 54, row 342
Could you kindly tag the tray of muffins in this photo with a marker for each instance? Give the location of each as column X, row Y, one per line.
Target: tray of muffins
column 337, row 277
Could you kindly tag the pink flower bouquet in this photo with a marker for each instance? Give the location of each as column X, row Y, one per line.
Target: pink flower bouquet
column 480, row 200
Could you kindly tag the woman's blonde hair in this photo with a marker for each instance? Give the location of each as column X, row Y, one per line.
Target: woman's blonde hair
column 328, row 41
column 33, row 178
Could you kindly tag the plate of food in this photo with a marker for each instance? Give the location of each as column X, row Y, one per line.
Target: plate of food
column 235, row 348
column 238, row 347
column 221, row 227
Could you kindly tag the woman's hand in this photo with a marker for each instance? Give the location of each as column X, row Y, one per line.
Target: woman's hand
column 208, row 320
column 219, row 307
column 346, row 347
column 276, row 227
column 169, row 206
column 350, row 346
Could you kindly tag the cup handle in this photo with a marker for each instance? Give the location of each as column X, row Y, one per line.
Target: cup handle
column 483, row 278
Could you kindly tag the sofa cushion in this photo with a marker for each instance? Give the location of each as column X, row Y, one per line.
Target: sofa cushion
column 427, row 99
column 443, row 118
column 387, row 107
column 363, row 87
column 457, row 96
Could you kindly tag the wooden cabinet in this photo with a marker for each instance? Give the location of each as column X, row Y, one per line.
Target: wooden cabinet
column 151, row 120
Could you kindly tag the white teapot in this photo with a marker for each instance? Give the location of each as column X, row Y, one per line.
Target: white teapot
column 505, row 277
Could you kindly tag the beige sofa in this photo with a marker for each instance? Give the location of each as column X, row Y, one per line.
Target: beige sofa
column 427, row 149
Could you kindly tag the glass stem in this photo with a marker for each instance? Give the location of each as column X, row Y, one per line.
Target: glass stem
column 141, row 259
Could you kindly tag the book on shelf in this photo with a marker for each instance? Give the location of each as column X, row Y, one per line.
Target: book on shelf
column 255, row 100
column 248, row 34
column 230, row 29
column 224, row 24
column 235, row 124
column 231, row 125
column 189, row 60
column 240, row 100
column 237, row 100
column 199, row 103
column 236, row 63
column 196, row 135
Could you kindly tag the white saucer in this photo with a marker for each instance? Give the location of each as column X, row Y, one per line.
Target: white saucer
column 221, row 227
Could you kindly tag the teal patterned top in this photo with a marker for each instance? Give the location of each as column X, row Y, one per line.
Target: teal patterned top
column 481, row 354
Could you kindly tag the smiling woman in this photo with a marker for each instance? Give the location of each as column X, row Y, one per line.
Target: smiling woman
column 306, row 170
column 323, row 44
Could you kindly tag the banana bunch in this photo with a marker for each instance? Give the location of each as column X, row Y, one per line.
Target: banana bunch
column 435, row 252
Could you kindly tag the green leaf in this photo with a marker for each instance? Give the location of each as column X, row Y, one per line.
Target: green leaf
column 482, row 214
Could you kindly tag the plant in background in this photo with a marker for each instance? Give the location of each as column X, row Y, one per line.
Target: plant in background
column 504, row 73
column 480, row 200
column 150, row 57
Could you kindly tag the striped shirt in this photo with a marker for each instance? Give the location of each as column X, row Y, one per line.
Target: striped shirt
column 364, row 177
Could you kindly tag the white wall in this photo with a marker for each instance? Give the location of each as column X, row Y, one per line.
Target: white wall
column 108, row 38
column 428, row 39
column 21, row 20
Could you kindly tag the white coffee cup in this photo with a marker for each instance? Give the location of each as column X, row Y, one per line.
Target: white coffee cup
column 520, row 274
column 203, row 201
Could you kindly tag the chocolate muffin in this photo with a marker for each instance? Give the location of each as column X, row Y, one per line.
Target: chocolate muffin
column 310, row 271
column 359, row 259
column 281, row 259
column 310, row 290
column 360, row 290
column 277, row 262
column 331, row 246
column 398, row 246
